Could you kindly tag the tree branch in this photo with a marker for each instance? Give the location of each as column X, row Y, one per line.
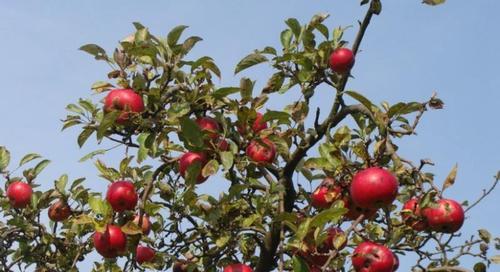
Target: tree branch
column 271, row 242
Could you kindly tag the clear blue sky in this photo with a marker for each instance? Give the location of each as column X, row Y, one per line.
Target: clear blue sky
column 409, row 51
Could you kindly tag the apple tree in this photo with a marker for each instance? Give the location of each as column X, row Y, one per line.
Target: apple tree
column 178, row 129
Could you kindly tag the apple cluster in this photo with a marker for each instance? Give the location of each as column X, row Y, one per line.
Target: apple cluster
column 371, row 189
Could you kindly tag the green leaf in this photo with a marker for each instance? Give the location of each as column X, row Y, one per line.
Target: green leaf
column 222, row 241
column 227, row 159
column 4, row 158
column 92, row 154
column 142, row 152
column 141, row 35
column 74, row 108
column 189, row 43
column 450, row 179
column 40, row 166
column 84, row 135
column 175, row 34
column 485, row 235
column 247, row 222
column 95, row 51
column 130, row 228
column 317, row 163
column 99, row 206
column 303, row 229
column 76, row 182
column 360, row 98
column 210, row 168
column 29, row 157
column 87, row 105
column 286, row 38
column 178, row 110
column 250, row 60
column 225, row 91
column 107, row 122
column 282, row 117
column 330, row 215
column 294, row 25
column 433, row 2
column 191, row 133
column 71, row 122
column 60, row 184
column 299, row 265
column 101, row 86
column 246, row 89
column 82, row 219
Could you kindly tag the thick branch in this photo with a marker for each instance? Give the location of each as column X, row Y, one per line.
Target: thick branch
column 272, row 239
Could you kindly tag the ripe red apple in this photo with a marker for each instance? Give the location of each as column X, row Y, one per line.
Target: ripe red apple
column 372, row 257
column 258, row 124
column 146, row 224
column 413, row 215
column 19, row 194
column 342, row 60
column 447, row 216
column 122, row 196
column 144, row 254
column 324, row 196
column 125, row 100
column 238, row 268
column 374, row 187
column 209, row 126
column 190, row 158
column 223, row 145
column 110, row 243
column 59, row 211
column 261, row 153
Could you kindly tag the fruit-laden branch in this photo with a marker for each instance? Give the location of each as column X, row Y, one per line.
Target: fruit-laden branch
column 272, row 239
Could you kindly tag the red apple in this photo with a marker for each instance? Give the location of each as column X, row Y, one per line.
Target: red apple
column 190, row 158
column 324, row 196
column 59, row 211
column 122, row 196
column 447, row 216
column 258, row 124
column 372, row 257
column 261, row 152
column 146, row 224
column 209, row 126
column 238, row 268
column 223, row 145
column 110, row 243
column 412, row 215
column 374, row 187
column 125, row 100
column 342, row 60
column 144, row 254
column 19, row 194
